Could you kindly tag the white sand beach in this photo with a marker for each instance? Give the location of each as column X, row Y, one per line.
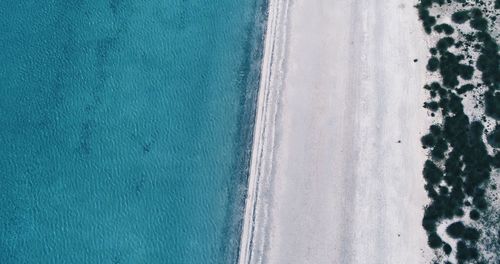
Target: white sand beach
column 336, row 163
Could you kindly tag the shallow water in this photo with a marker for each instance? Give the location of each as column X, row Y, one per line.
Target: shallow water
column 124, row 129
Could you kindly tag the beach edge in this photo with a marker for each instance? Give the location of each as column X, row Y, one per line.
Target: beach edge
column 264, row 124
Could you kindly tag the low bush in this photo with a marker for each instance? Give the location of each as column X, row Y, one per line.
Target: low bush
column 460, row 17
column 433, row 64
column 492, row 104
column 479, row 23
column 474, row 214
column 465, row 88
column 432, row 173
column 444, row 43
column 471, row 233
column 447, row 248
column 428, row 140
column 494, row 137
column 456, row 230
column 434, row 241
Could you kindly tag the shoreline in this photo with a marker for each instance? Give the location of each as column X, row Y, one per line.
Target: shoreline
column 335, row 170
column 264, row 110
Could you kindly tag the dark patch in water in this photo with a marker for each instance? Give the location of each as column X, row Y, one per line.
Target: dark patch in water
column 249, row 80
column 114, row 5
column 86, row 132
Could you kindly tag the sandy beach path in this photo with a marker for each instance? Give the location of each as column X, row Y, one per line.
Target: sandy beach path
column 336, row 163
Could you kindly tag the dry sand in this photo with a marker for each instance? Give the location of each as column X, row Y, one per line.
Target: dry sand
column 336, row 163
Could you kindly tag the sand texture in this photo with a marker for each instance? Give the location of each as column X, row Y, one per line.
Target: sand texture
column 336, row 163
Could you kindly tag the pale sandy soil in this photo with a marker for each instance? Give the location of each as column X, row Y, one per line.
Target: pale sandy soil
column 336, row 164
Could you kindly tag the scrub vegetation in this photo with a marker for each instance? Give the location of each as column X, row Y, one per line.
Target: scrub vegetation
column 463, row 216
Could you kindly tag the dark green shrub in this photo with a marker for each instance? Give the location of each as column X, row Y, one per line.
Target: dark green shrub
column 430, row 21
column 433, row 64
column 479, row 192
column 453, row 165
column 444, row 43
column 473, row 253
column 462, row 251
column 449, row 69
column 442, row 92
column 480, row 203
column 431, row 192
column 455, row 131
column 432, row 173
column 431, row 215
column 471, row 233
column 476, row 13
column 434, row 241
column 444, row 104
column 437, row 154
column 423, row 13
column 456, row 230
column 431, row 105
column 456, row 195
column 495, row 160
column 484, row 37
column 465, row 253
column 439, row 149
column 435, row 130
column 438, row 28
column 494, row 137
column 455, row 104
column 428, row 140
column 429, row 224
column 460, row 17
column 435, row 86
column 447, row 248
column 492, row 104
column 479, row 23
column 427, row 20
column 488, row 61
column 465, row 71
column 483, row 62
column 447, row 29
column 474, row 214
column 465, row 88
column 459, row 212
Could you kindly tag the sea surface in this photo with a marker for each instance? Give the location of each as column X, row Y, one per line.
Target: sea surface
column 125, row 128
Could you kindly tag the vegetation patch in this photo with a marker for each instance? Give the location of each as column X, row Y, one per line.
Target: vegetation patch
column 463, row 148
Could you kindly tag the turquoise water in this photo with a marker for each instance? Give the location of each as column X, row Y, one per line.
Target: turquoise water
column 125, row 128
